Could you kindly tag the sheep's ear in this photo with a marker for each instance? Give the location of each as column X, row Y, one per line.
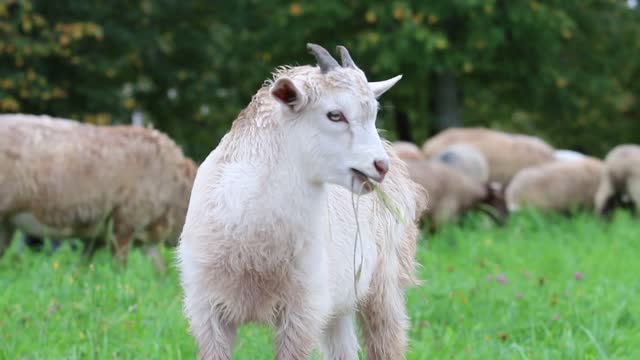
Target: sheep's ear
column 380, row 87
column 285, row 91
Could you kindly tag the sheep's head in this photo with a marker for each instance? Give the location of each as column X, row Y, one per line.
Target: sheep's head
column 330, row 113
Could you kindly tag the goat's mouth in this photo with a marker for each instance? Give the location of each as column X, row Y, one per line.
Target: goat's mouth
column 361, row 183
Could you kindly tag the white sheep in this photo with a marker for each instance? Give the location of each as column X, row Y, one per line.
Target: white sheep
column 506, row 153
column 466, row 159
column 408, row 150
column 620, row 178
column 558, row 185
column 272, row 236
column 62, row 179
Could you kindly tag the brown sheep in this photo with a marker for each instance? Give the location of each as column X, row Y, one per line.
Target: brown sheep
column 451, row 193
column 506, row 153
column 467, row 159
column 408, row 150
column 62, row 178
column 559, row 185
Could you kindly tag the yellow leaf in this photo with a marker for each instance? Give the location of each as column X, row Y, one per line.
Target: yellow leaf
column 31, row 75
column 370, row 17
column 441, row 44
column 295, row 9
column 373, row 37
column 432, row 19
column 129, row 103
column 535, row 6
column 561, row 82
column 398, row 13
column 6, row 84
column 64, row 40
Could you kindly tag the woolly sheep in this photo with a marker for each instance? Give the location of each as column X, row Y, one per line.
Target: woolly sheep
column 506, row 153
column 451, row 193
column 559, row 185
column 62, row 179
column 408, row 150
column 620, row 178
column 271, row 235
column 466, row 159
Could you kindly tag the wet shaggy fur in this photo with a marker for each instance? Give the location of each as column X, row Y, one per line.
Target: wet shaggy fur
column 61, row 179
column 273, row 249
column 506, row 153
column 560, row 185
column 621, row 177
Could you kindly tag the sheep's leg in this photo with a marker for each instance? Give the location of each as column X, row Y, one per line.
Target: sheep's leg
column 383, row 321
column 633, row 187
column 6, row 235
column 339, row 341
column 90, row 248
column 120, row 247
column 603, row 194
column 158, row 262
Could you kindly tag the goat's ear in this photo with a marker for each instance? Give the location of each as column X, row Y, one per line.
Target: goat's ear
column 380, row 87
column 285, row 91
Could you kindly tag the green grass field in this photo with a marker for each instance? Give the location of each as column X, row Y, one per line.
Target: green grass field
column 543, row 287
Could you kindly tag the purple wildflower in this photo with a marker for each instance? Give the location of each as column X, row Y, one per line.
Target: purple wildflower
column 579, row 276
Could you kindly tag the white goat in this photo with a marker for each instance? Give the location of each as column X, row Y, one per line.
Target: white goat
column 271, row 230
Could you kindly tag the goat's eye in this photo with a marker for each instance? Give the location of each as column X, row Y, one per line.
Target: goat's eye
column 336, row 116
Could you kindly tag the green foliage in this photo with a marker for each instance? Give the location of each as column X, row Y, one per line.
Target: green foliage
column 566, row 70
column 544, row 286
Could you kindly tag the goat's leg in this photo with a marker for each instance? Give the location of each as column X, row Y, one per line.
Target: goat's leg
column 383, row 320
column 339, row 341
column 214, row 336
column 302, row 318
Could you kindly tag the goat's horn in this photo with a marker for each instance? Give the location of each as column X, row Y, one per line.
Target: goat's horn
column 347, row 61
column 325, row 60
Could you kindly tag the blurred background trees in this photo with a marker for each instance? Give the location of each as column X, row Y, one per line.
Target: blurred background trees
column 566, row 70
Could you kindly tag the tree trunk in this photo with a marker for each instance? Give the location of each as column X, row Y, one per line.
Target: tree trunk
column 403, row 127
column 446, row 101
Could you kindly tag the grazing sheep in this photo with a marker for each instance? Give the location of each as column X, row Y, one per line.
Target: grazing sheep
column 466, row 159
column 275, row 233
column 620, row 178
column 506, row 153
column 408, row 150
column 559, row 185
column 62, row 179
column 567, row 155
column 451, row 193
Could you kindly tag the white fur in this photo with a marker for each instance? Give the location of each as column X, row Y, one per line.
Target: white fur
column 567, row 155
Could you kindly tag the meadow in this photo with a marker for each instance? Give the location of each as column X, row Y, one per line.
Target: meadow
column 542, row 287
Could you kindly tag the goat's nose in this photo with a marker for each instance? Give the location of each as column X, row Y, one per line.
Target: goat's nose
column 382, row 166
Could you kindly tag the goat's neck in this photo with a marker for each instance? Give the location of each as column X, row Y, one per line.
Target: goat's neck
column 291, row 196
